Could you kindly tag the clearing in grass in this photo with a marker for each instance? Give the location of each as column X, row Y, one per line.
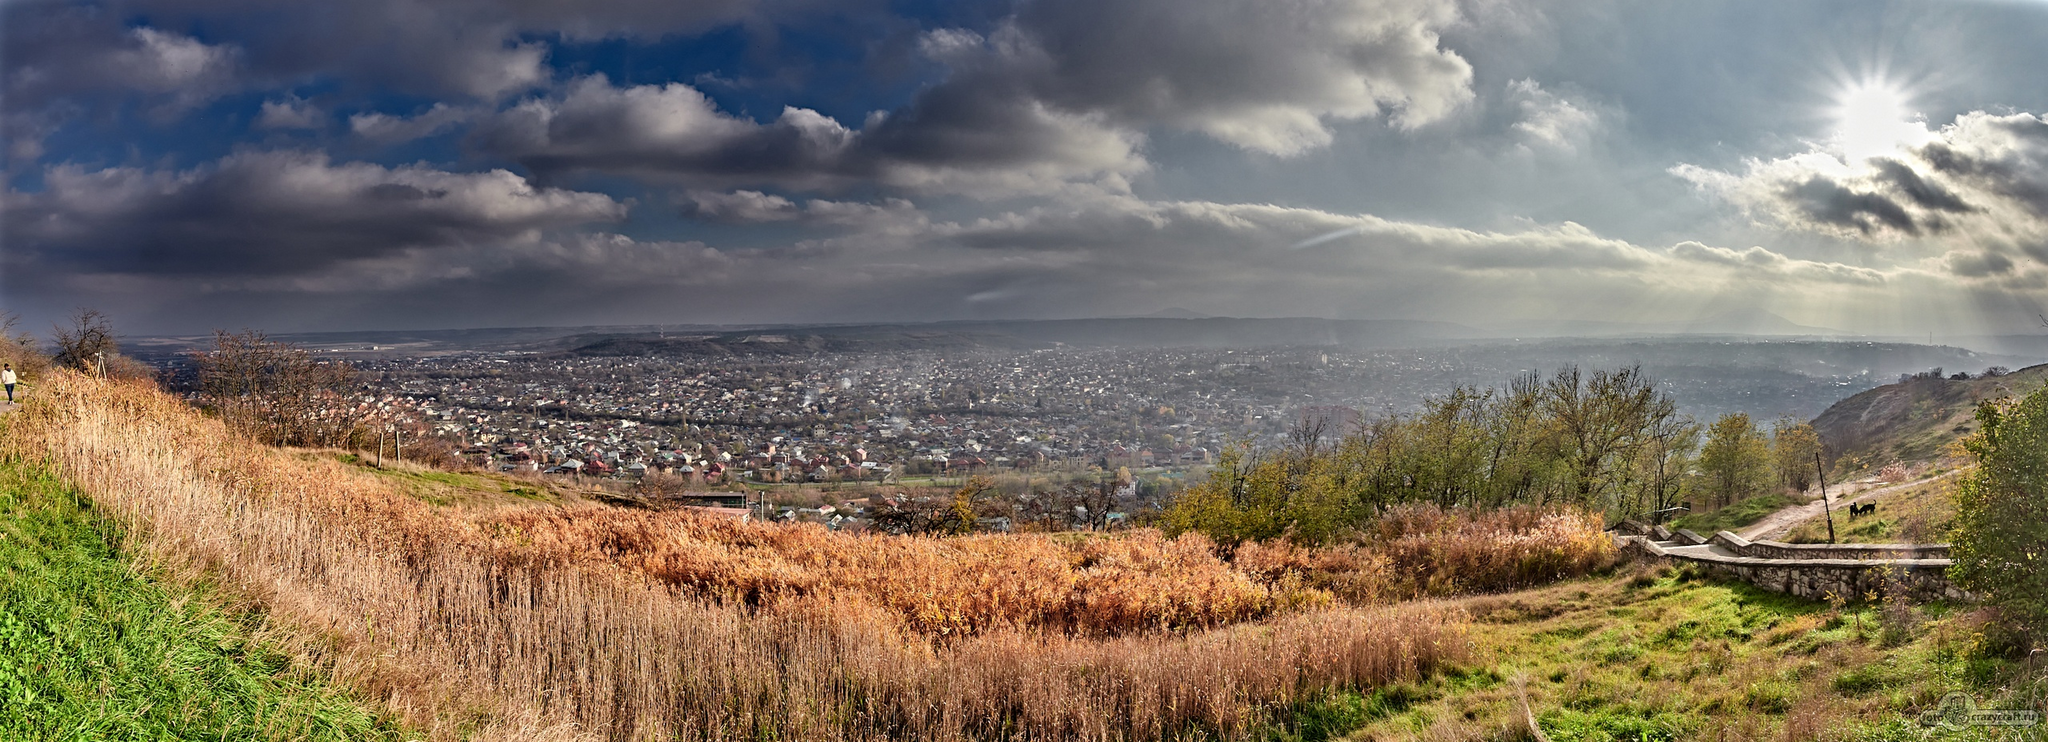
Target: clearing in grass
column 1735, row 516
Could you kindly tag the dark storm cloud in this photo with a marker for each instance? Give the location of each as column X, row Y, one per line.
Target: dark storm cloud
column 1259, row 74
column 454, row 47
column 65, row 59
column 654, row 129
column 54, row 51
column 1061, row 90
column 1901, row 177
column 273, row 213
column 1829, row 202
column 674, row 133
column 2005, row 155
column 1979, row 264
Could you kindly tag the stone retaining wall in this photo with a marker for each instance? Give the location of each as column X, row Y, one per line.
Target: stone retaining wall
column 1780, row 550
column 1815, row 571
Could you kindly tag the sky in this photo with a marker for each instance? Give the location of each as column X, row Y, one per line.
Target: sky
column 183, row 165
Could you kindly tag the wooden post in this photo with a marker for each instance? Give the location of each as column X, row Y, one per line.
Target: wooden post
column 380, row 447
column 1822, row 472
column 398, row 445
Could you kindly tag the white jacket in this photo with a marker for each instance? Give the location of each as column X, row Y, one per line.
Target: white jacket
column 7, row 376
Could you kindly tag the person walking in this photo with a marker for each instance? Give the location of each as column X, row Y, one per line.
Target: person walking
column 7, row 379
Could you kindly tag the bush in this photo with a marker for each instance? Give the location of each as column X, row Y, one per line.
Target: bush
column 2001, row 527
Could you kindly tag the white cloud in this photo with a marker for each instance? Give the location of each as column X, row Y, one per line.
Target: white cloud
column 387, row 129
column 1549, row 120
column 290, row 113
column 160, row 61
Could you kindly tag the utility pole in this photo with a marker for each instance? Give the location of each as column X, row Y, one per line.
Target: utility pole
column 380, row 446
column 398, row 445
column 1822, row 472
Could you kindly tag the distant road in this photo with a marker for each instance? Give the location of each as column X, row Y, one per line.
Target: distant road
column 1776, row 525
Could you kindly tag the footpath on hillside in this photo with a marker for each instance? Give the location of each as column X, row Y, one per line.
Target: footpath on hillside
column 1775, row 526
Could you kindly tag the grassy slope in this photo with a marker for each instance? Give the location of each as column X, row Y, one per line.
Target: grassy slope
column 1920, row 514
column 1914, row 420
column 1667, row 655
column 92, row 650
column 1736, row 516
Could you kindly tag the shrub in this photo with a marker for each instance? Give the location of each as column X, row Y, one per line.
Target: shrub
column 2001, row 526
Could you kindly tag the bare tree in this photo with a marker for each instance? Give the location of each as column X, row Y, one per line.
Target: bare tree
column 87, row 342
column 1092, row 501
column 278, row 392
column 661, row 486
column 1308, row 432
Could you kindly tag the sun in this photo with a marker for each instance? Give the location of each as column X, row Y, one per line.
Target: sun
column 1874, row 118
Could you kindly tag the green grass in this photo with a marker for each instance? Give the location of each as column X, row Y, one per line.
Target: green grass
column 1736, row 516
column 448, row 489
column 1667, row 654
column 91, row 649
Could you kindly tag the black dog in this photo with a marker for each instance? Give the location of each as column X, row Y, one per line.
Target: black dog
column 1857, row 511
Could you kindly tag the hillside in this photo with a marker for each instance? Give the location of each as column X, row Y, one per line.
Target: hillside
column 476, row 607
column 1914, row 420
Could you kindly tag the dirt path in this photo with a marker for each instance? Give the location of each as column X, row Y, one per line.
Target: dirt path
column 1776, row 525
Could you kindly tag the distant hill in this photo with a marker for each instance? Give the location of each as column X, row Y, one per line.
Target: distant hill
column 1175, row 313
column 1132, row 332
column 1914, row 420
column 1745, row 322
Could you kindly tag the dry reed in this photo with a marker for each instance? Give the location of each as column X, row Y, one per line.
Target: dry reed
column 492, row 630
column 1135, row 582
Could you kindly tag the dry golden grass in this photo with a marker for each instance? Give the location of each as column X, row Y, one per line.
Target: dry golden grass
column 585, row 624
column 946, row 586
column 1096, row 585
column 1441, row 553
